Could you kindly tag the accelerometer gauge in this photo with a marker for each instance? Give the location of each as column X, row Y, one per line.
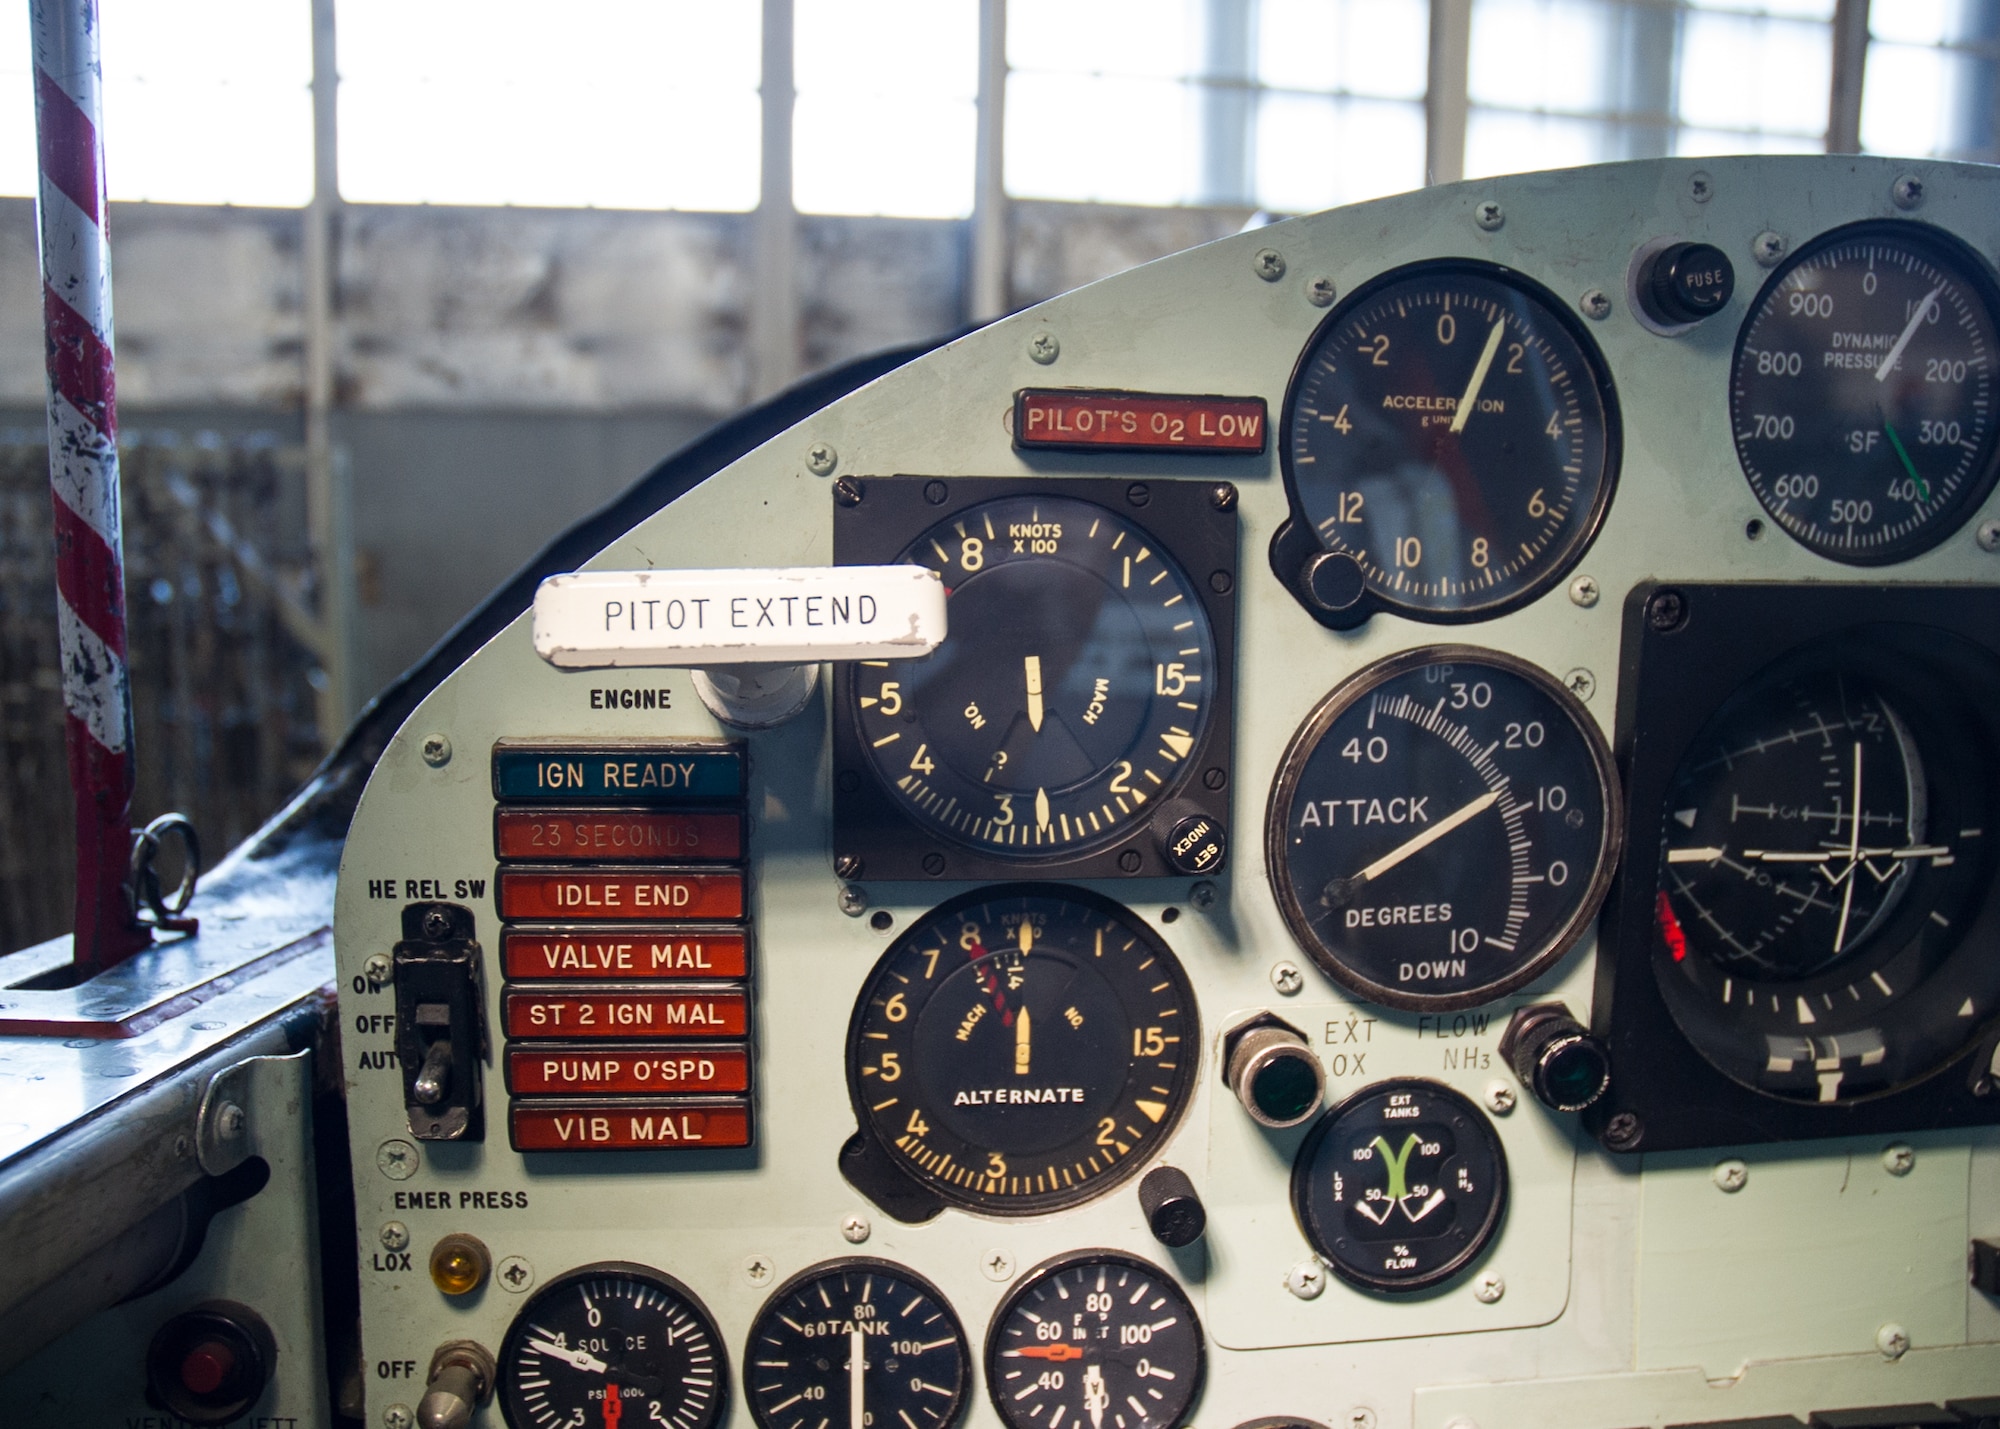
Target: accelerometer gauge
column 1862, row 394
column 1821, row 844
column 1451, row 441
column 856, row 1342
column 1401, row 1186
column 1019, row 1049
column 1443, row 827
column 1099, row 1338
column 612, row 1341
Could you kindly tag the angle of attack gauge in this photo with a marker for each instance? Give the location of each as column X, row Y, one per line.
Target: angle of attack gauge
column 612, row 1342
column 1097, row 1338
column 1079, row 708
column 1451, row 440
column 856, row 1342
column 1443, row 827
column 1019, row 1049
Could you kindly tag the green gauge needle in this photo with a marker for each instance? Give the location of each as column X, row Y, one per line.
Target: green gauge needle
column 1903, row 455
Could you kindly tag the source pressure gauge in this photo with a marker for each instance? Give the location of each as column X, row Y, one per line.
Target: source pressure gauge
column 1401, row 1186
column 1022, row 1048
column 1862, row 394
column 1450, row 444
column 610, row 1341
column 1096, row 1338
column 1443, row 828
column 856, row 1342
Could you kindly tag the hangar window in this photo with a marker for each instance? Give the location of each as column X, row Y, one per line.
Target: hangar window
column 1930, row 79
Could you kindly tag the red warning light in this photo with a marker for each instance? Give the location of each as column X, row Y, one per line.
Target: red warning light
column 1670, row 928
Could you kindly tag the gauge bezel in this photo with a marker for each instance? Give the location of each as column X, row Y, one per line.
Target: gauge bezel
column 517, row 1328
column 1189, row 520
column 867, row 1263
column 1665, row 1095
column 1476, row 1244
column 1972, row 270
column 887, row 1178
column 1291, row 768
column 1296, row 542
column 1070, row 1260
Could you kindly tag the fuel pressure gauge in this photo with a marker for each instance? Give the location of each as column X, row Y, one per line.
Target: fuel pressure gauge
column 1443, row 828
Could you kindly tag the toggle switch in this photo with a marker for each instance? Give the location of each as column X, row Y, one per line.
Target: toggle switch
column 440, row 1022
column 1271, row 1068
column 1556, row 1057
column 1174, row 1212
column 461, row 1379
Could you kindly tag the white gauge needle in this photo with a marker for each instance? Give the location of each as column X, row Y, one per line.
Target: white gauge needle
column 1694, row 855
column 1429, row 836
column 1909, row 331
column 1034, row 667
column 1853, row 847
column 576, row 1359
column 1471, row 397
column 1022, row 1047
column 857, row 1362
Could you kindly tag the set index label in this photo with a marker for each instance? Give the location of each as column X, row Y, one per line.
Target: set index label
column 618, row 773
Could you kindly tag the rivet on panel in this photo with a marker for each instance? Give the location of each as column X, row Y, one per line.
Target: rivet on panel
column 1701, row 187
column 398, row 1416
column 1898, row 1159
column 1907, row 192
column 1320, row 291
column 395, row 1236
column 1489, row 215
column 1488, row 1288
column 1287, row 978
column 758, row 1270
column 1307, row 1279
column 1731, row 1175
column 821, row 458
column 396, row 1159
column 1596, row 304
column 855, row 1229
column 436, row 750
column 1583, row 591
column 514, row 1274
column 1268, row 264
column 997, row 1265
column 1768, row 247
column 1988, row 536
column 1500, row 1098
column 1893, row 1341
column 1044, row 348
column 1581, row 683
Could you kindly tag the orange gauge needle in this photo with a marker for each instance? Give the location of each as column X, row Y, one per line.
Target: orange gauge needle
column 1055, row 1353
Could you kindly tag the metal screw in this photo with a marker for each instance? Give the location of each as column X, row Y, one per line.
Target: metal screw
column 1044, row 348
column 436, row 750
column 847, row 491
column 1488, row 1288
column 396, row 1159
column 851, row 900
column 1581, row 683
column 229, row 1121
column 1596, row 304
column 1499, row 1098
column 1214, row 778
column 1667, row 611
column 1319, row 291
column 847, row 865
column 1360, row 1417
column 1129, row 861
column 1138, row 493
column 1624, row 1131
column 935, row 492
column 515, row 1274
column 1489, row 215
column 997, row 1265
column 1222, row 497
column 1307, row 1279
column 1988, row 536
column 821, row 458
column 1701, row 188
column 1202, row 895
column 1583, row 592
column 1767, row 247
column 1898, row 1159
column 1731, row 1176
column 758, row 1270
column 855, row 1229
column 398, row 1416
column 1893, row 1341
column 1287, row 978
column 1268, row 264
column 437, row 925
column 395, row 1236
column 378, row 969
column 1908, row 192
column 933, row 864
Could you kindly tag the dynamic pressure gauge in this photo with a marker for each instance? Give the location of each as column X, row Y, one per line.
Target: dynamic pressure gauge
column 1019, row 1049
column 610, row 1341
column 1096, row 1338
column 856, row 1342
column 1862, row 394
column 1450, row 444
column 1443, row 828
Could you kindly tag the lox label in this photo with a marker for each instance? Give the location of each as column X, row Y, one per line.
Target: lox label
column 617, row 955
column 623, row 774
column 618, row 894
column 614, row 836
column 570, row 1071
column 631, row 1016
column 1138, row 421
column 629, row 1126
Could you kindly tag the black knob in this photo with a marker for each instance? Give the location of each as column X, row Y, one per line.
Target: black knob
column 1196, row 845
column 1555, row 1057
column 210, row 1364
column 1173, row 1210
column 1333, row 580
column 1274, row 1073
column 1686, row 283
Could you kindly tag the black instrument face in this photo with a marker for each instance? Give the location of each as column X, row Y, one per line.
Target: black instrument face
column 613, row 1342
column 856, row 1342
column 1077, row 679
column 1822, row 842
column 1862, row 394
column 1443, row 828
column 1096, row 1338
column 1401, row 1186
column 1451, row 430
column 1022, row 1048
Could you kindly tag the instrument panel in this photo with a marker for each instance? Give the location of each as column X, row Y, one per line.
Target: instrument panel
column 1470, row 909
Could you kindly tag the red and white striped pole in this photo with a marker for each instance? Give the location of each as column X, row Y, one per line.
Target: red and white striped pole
column 83, row 473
